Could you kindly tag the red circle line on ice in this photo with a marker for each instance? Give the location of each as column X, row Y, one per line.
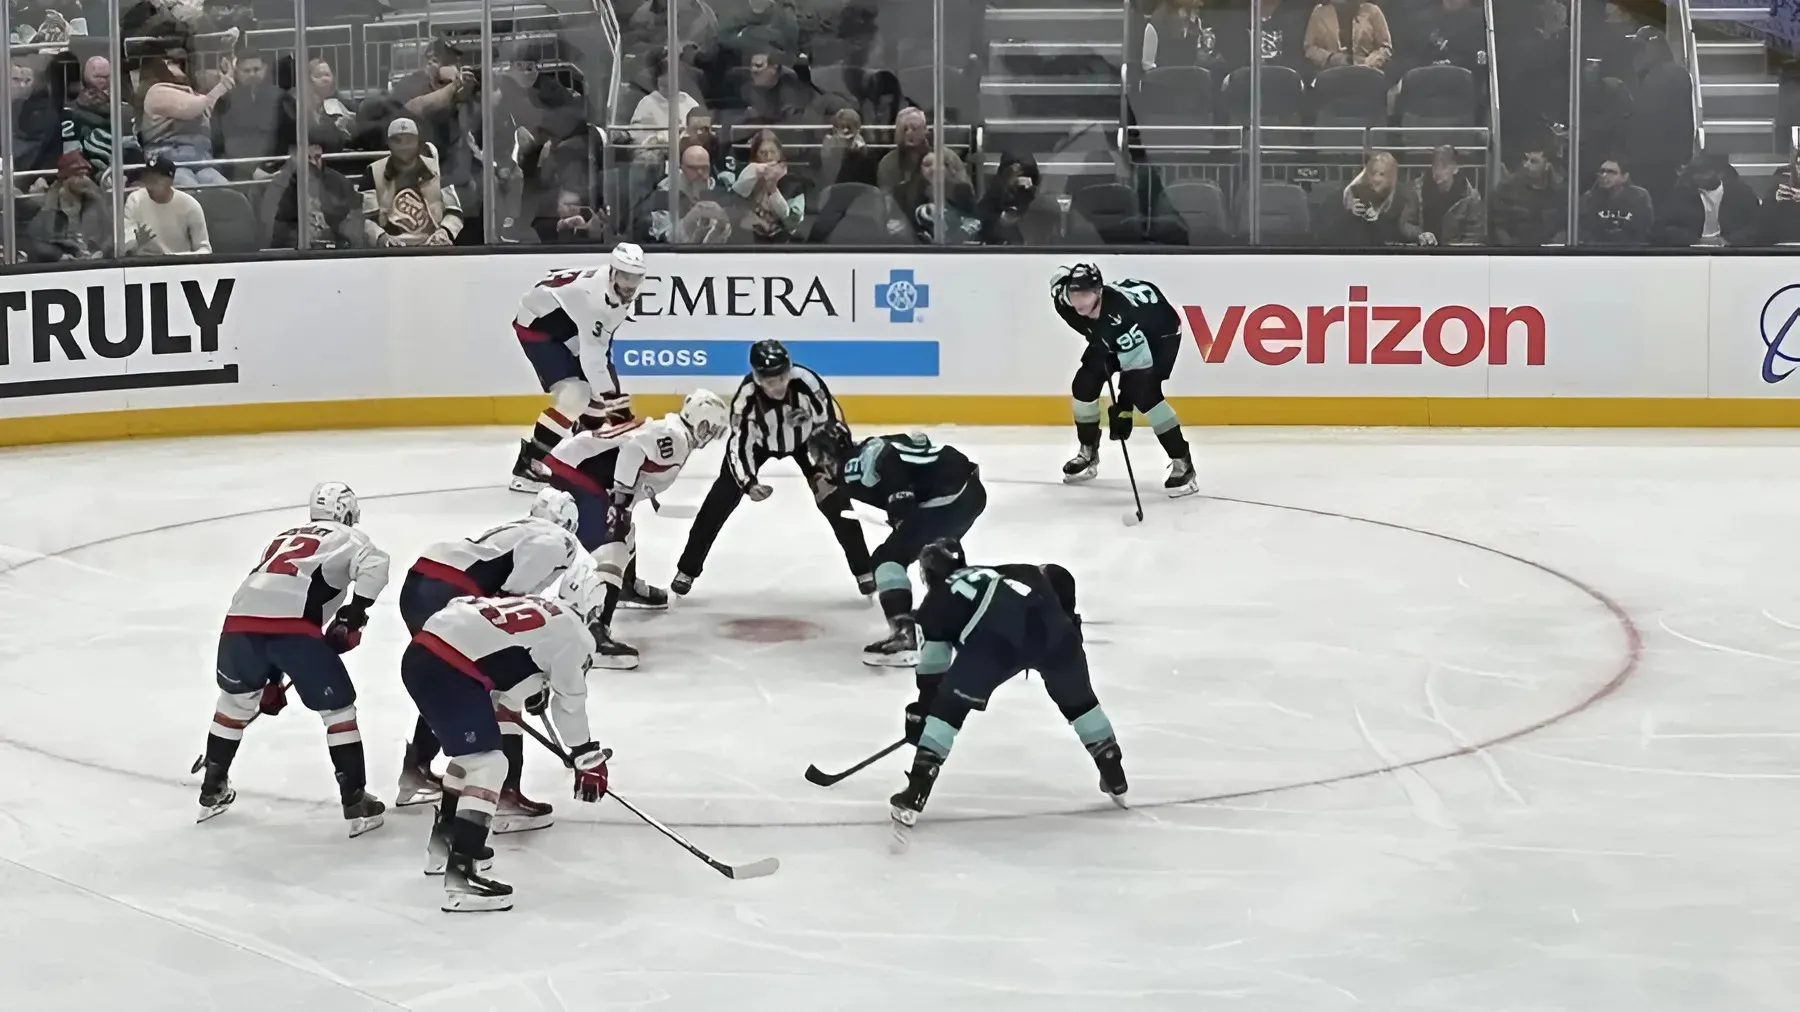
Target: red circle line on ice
column 1625, row 669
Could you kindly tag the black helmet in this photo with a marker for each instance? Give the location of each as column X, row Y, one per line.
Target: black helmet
column 939, row 559
column 829, row 446
column 1083, row 278
column 769, row 358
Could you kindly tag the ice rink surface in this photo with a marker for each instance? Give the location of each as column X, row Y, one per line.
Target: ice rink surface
column 1486, row 722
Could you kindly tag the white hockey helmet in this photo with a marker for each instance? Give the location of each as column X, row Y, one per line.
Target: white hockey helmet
column 581, row 590
column 627, row 270
column 706, row 416
column 333, row 500
column 558, row 507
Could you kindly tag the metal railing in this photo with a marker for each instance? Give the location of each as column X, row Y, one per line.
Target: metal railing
column 1689, row 52
column 1496, row 139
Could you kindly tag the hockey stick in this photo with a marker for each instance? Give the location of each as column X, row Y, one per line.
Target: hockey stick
column 755, row 869
column 1124, row 451
column 674, row 511
column 864, row 516
column 815, row 775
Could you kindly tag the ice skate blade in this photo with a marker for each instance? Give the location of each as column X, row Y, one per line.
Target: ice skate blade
column 1079, row 477
column 365, row 824
column 212, row 812
column 505, row 825
column 903, row 659
column 473, row 903
column 900, row 824
column 615, row 663
column 529, row 486
column 640, row 605
column 408, row 799
column 1118, row 800
column 1182, row 490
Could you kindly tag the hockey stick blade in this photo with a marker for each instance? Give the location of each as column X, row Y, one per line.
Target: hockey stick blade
column 755, row 869
column 819, row 777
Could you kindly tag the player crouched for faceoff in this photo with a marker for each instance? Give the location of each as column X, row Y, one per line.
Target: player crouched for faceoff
column 1131, row 329
column 477, row 654
column 517, row 559
column 290, row 619
column 982, row 626
column 606, row 470
column 929, row 490
column 566, row 324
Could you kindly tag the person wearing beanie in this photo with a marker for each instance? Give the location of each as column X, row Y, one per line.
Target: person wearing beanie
column 75, row 222
column 161, row 220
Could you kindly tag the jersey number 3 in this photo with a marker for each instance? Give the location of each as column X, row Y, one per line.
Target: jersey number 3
column 279, row 557
column 514, row 617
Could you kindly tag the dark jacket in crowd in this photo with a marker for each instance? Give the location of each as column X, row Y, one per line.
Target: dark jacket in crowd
column 1781, row 215
column 1621, row 217
column 1527, row 215
column 1683, row 217
column 339, row 205
column 75, row 223
column 1454, row 218
column 1006, row 208
column 1339, row 224
column 1458, row 38
column 787, row 102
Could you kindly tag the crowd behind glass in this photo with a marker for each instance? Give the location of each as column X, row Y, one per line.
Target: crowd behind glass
column 864, row 122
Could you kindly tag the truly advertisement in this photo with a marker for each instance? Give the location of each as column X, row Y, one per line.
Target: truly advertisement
column 108, row 330
column 842, row 321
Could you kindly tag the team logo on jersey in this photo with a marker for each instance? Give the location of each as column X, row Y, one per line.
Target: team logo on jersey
column 902, row 296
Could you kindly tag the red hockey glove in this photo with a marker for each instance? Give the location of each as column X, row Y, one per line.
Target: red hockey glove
column 274, row 697
column 589, row 761
column 343, row 637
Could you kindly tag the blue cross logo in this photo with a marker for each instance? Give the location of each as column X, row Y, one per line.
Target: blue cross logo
column 902, row 296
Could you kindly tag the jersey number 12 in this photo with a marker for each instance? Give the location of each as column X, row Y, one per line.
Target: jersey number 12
column 279, row 557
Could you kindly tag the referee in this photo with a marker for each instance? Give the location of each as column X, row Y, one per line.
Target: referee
column 777, row 406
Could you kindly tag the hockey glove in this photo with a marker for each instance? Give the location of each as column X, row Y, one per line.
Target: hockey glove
column 538, row 702
column 589, row 761
column 345, row 633
column 618, row 516
column 915, row 722
column 274, row 697
column 1119, row 422
column 759, row 492
column 901, row 506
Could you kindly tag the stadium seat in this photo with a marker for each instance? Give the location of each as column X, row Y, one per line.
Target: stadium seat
column 1350, row 97
column 1285, row 215
column 1201, row 208
column 1438, row 96
column 1111, row 209
column 230, row 222
column 1282, row 95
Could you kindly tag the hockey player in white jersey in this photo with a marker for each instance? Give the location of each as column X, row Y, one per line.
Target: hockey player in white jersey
column 302, row 605
column 566, row 324
column 518, row 558
column 472, row 653
column 606, row 470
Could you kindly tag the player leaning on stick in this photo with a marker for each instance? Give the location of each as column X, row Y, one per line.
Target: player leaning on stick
column 982, row 626
column 778, row 406
column 566, row 323
column 1133, row 331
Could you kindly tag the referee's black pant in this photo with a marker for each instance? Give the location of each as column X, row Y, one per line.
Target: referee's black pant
column 725, row 495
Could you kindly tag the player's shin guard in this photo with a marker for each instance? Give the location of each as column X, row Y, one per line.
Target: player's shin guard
column 1096, row 733
column 344, row 741
column 465, row 887
column 234, row 712
column 1180, row 481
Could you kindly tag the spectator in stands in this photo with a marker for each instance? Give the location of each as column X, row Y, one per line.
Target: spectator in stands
column 1366, row 212
column 75, row 221
column 696, row 26
column 1661, row 129
column 704, row 218
column 334, row 213
column 651, row 117
column 570, row 221
column 37, row 116
column 246, row 119
column 962, row 218
column 1781, row 215
column 1710, row 205
column 1348, row 33
column 900, row 172
column 1453, row 33
column 1531, row 205
column 405, row 200
column 87, row 120
column 1442, row 207
column 175, row 120
column 432, row 98
column 161, row 220
column 698, row 129
column 759, row 26
column 1182, row 33
column 332, row 117
column 774, row 94
column 844, row 156
column 1613, row 211
column 774, row 198
column 1008, row 200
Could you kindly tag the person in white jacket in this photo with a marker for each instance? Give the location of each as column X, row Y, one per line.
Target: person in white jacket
column 651, row 117
column 161, row 220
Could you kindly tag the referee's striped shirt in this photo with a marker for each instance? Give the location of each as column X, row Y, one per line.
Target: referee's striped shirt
column 777, row 428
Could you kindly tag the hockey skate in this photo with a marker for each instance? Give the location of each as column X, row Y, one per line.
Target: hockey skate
column 1180, row 481
column 467, row 890
column 1083, row 466
column 865, row 584
column 437, row 851
column 364, row 814
column 611, row 654
column 899, row 650
column 528, row 475
column 517, row 813
column 681, row 584
column 642, row 596
column 216, row 794
column 919, row 780
column 418, row 786
column 1110, row 761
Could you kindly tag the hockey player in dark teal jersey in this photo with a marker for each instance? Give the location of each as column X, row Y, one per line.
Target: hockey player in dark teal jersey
column 1131, row 329
column 981, row 626
column 929, row 490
